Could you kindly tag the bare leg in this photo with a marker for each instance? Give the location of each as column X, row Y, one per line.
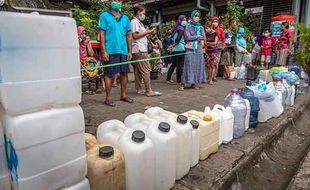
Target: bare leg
column 108, row 87
column 124, row 79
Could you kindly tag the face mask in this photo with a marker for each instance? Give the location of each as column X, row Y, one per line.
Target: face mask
column 83, row 36
column 183, row 23
column 239, row 35
column 266, row 34
column 116, row 6
column 1, row 2
column 196, row 19
column 215, row 24
column 142, row 17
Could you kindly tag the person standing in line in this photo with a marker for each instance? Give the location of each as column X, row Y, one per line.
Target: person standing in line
column 241, row 46
column 222, row 43
column 266, row 49
column 116, row 44
column 139, row 51
column 194, row 72
column 284, row 44
column 212, row 59
column 229, row 52
column 178, row 48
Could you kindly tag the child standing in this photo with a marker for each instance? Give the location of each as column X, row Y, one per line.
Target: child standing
column 266, row 49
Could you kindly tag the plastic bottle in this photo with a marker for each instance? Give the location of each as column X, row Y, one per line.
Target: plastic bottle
column 195, row 142
column 227, row 124
column 164, row 140
column 183, row 131
column 83, row 185
column 247, row 117
column 110, row 131
column 254, row 103
column 90, row 141
column 106, row 168
column 4, row 172
column 239, row 109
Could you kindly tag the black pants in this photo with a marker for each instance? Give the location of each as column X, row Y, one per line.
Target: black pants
column 177, row 62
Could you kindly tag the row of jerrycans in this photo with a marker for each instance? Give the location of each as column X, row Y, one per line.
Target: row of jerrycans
column 159, row 147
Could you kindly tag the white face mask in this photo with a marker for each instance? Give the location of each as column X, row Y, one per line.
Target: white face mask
column 1, row 2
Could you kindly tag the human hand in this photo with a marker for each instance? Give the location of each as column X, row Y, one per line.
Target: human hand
column 152, row 31
column 105, row 56
column 129, row 56
column 87, row 40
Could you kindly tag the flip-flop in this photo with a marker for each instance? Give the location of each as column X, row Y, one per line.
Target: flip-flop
column 142, row 92
column 153, row 94
column 127, row 99
column 109, row 103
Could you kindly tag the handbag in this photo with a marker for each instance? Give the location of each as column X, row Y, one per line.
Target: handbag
column 149, row 46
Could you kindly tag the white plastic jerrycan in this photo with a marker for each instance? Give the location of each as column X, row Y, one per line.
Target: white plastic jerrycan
column 110, row 131
column 4, row 172
column 164, row 140
column 139, row 154
column 248, row 112
column 208, row 131
column 217, row 117
column 183, row 130
column 83, row 185
column 195, row 142
column 227, row 124
column 293, row 96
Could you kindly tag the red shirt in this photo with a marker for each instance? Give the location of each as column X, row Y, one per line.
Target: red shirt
column 267, row 42
column 221, row 35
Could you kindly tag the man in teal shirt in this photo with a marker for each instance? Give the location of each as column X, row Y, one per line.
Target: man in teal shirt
column 116, row 44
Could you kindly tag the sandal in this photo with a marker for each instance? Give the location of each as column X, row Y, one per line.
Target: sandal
column 181, row 88
column 127, row 99
column 170, row 81
column 109, row 103
column 152, row 94
column 141, row 92
column 195, row 87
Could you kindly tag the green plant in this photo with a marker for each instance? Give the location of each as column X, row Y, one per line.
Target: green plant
column 89, row 18
column 165, row 28
column 303, row 52
column 154, row 62
column 248, row 21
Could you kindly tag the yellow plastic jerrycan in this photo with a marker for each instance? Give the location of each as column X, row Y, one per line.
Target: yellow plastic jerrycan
column 90, row 141
column 106, row 168
column 209, row 133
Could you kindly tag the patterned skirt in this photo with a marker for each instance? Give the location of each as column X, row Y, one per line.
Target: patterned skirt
column 212, row 59
column 282, row 56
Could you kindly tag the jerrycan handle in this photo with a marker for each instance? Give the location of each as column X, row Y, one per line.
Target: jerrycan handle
column 194, row 115
column 219, row 107
column 207, row 109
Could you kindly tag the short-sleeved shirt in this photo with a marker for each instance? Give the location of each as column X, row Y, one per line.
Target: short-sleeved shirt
column 267, row 42
column 115, row 32
column 284, row 40
column 211, row 38
column 139, row 45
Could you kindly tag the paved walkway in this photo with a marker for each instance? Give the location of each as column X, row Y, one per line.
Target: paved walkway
column 207, row 173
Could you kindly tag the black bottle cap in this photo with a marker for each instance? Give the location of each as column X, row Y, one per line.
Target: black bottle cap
column 248, row 83
column 182, row 119
column 106, row 151
column 138, row 136
column 194, row 124
column 164, row 127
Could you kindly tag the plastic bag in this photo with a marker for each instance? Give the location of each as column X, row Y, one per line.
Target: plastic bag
column 241, row 72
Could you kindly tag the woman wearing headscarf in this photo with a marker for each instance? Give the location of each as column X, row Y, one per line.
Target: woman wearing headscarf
column 241, row 46
column 194, row 65
column 284, row 43
column 178, row 48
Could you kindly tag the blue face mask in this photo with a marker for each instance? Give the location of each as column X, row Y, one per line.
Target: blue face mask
column 142, row 17
column 184, row 23
column 116, row 6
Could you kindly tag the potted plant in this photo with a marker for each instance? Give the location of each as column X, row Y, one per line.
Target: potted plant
column 154, row 66
column 303, row 52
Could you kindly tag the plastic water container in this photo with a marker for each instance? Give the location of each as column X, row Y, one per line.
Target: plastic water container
column 303, row 86
column 26, row 51
column 239, row 109
column 227, row 124
column 217, row 117
column 90, row 141
column 106, row 168
column 279, row 86
column 195, row 143
column 254, row 103
column 52, row 143
column 248, row 112
column 209, row 133
column 164, row 141
column 5, row 183
column 293, row 96
column 83, row 185
column 110, row 131
column 265, row 75
column 183, row 131
column 139, row 155
column 289, row 93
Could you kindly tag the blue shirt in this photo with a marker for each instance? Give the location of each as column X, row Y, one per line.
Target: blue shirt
column 181, row 45
column 115, row 32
